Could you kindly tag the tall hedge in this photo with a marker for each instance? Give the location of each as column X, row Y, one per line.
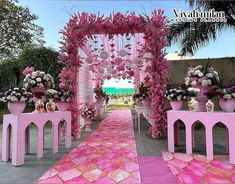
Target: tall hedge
column 9, row 73
column 42, row 58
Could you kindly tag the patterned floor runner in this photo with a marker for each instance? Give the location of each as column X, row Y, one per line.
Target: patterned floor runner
column 196, row 169
column 107, row 156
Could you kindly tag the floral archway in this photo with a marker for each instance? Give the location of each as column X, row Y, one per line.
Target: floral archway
column 84, row 26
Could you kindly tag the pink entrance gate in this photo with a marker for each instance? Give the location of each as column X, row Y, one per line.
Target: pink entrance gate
column 83, row 27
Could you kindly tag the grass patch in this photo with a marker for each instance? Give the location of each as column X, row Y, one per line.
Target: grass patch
column 119, row 106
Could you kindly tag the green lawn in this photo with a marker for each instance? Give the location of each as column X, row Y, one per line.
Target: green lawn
column 118, row 106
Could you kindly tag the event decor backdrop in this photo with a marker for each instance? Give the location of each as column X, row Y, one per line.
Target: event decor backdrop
column 84, row 28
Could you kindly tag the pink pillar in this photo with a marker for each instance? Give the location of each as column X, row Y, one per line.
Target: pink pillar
column 170, row 132
column 209, row 143
column 188, row 138
column 40, row 142
column 18, row 147
column 6, row 139
column 68, row 133
column 231, row 146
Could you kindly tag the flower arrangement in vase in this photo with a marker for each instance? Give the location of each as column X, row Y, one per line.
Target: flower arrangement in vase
column 38, row 82
column 226, row 97
column 39, row 99
column 38, row 79
column 88, row 113
column 51, row 94
column 176, row 95
column 63, row 99
column 202, row 78
column 99, row 93
column 137, row 99
column 16, row 98
column 193, row 104
column 143, row 95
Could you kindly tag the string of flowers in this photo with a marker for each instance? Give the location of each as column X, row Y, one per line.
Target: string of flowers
column 82, row 26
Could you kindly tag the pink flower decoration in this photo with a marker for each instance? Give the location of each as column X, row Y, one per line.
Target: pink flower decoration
column 28, row 70
column 121, row 67
column 155, row 31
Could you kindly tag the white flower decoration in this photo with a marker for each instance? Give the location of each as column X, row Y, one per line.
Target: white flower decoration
column 200, row 74
column 204, row 83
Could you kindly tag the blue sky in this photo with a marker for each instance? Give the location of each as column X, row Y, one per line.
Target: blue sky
column 53, row 15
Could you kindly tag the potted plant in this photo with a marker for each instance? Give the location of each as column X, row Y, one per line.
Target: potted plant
column 50, row 95
column 144, row 94
column 202, row 78
column 99, row 94
column 88, row 113
column 137, row 100
column 226, row 98
column 16, row 98
column 176, row 95
column 37, row 82
column 63, row 99
column 193, row 104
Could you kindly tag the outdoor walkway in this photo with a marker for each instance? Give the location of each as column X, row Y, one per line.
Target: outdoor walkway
column 107, row 156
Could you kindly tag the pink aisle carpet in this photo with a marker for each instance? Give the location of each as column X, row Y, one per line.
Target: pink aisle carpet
column 196, row 169
column 107, row 156
column 154, row 170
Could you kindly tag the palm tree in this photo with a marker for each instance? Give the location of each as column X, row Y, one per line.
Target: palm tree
column 193, row 35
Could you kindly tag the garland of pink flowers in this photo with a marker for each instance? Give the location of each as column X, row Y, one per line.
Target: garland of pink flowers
column 83, row 26
column 155, row 42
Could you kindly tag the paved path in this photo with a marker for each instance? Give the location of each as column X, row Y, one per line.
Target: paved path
column 107, row 156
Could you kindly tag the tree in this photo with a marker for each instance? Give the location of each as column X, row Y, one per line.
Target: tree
column 9, row 73
column 41, row 58
column 17, row 29
column 193, row 35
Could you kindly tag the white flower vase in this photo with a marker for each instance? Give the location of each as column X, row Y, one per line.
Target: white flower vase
column 39, row 106
column 50, row 106
column 193, row 105
column 210, row 106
